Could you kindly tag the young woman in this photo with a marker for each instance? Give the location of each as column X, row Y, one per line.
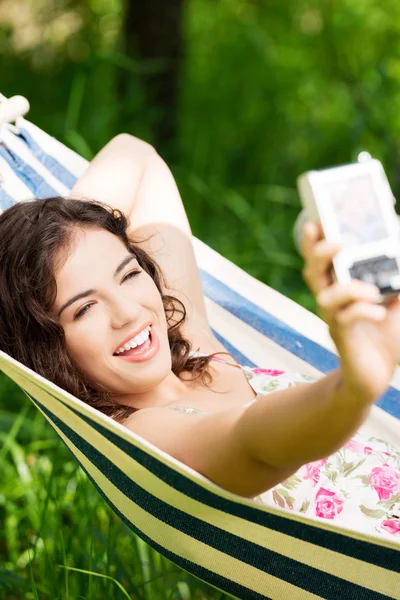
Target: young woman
column 112, row 310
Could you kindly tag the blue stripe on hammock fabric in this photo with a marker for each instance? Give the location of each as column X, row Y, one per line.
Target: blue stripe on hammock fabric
column 6, row 201
column 283, row 567
column 56, row 169
column 35, row 182
column 284, row 335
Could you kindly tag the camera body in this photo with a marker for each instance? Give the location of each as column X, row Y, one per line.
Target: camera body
column 355, row 206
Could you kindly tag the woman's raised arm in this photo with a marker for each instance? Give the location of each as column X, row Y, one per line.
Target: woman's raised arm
column 129, row 175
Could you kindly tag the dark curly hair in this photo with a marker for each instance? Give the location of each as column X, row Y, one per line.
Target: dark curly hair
column 32, row 234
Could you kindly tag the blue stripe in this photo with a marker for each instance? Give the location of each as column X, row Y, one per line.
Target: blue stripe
column 5, row 200
column 56, row 169
column 37, row 185
column 281, row 333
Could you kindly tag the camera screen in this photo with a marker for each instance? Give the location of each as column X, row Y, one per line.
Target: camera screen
column 357, row 211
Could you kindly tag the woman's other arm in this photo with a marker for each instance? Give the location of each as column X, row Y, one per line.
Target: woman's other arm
column 129, row 175
column 115, row 174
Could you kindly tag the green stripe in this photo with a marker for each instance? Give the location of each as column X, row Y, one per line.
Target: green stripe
column 338, row 542
column 277, row 565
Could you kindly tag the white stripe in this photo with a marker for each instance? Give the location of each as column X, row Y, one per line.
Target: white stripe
column 20, row 149
column 69, row 159
column 65, row 156
column 12, row 184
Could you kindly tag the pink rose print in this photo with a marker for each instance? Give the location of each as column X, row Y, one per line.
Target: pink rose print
column 312, row 470
column 327, row 504
column 385, row 481
column 355, row 446
column 272, row 372
column 392, row 526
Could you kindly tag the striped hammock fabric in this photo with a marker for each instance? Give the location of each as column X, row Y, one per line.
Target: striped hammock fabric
column 245, row 549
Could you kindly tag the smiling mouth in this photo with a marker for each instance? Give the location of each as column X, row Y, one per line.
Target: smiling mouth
column 139, row 350
column 142, row 343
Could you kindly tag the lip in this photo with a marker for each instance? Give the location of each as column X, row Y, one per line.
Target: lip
column 132, row 335
column 146, row 355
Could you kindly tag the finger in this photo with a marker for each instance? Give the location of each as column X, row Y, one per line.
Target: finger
column 317, row 270
column 340, row 295
column 310, row 235
column 392, row 301
column 360, row 311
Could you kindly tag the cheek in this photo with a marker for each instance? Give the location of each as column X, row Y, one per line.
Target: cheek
column 85, row 345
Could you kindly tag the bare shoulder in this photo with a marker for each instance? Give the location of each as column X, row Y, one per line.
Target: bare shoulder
column 170, row 431
column 209, row 444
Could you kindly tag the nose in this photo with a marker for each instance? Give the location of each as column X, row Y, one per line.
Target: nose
column 123, row 311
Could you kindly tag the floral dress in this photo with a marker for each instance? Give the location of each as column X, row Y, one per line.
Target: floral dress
column 357, row 487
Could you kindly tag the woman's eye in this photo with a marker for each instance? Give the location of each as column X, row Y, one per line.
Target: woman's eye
column 131, row 275
column 84, row 309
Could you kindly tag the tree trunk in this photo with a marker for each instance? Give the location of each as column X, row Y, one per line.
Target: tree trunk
column 153, row 36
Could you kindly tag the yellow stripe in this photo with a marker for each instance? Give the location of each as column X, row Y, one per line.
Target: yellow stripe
column 350, row 569
column 187, row 472
column 189, row 548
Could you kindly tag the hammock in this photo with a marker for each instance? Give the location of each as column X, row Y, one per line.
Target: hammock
column 242, row 548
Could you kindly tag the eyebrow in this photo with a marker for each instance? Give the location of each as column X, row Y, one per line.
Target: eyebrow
column 123, row 264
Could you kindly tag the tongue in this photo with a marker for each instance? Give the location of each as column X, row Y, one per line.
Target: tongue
column 138, row 349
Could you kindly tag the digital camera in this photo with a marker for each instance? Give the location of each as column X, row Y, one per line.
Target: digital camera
column 355, row 206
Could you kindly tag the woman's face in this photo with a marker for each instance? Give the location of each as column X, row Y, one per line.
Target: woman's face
column 119, row 302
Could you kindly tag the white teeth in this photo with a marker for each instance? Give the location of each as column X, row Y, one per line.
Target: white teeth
column 136, row 341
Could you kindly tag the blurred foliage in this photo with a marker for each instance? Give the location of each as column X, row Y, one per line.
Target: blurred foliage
column 267, row 90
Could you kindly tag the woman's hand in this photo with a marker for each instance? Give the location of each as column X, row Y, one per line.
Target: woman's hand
column 366, row 334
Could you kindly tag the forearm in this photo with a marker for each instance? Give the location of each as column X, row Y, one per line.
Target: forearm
column 116, row 173
column 130, row 176
column 288, row 428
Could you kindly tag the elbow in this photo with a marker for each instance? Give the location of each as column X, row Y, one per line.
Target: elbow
column 127, row 143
